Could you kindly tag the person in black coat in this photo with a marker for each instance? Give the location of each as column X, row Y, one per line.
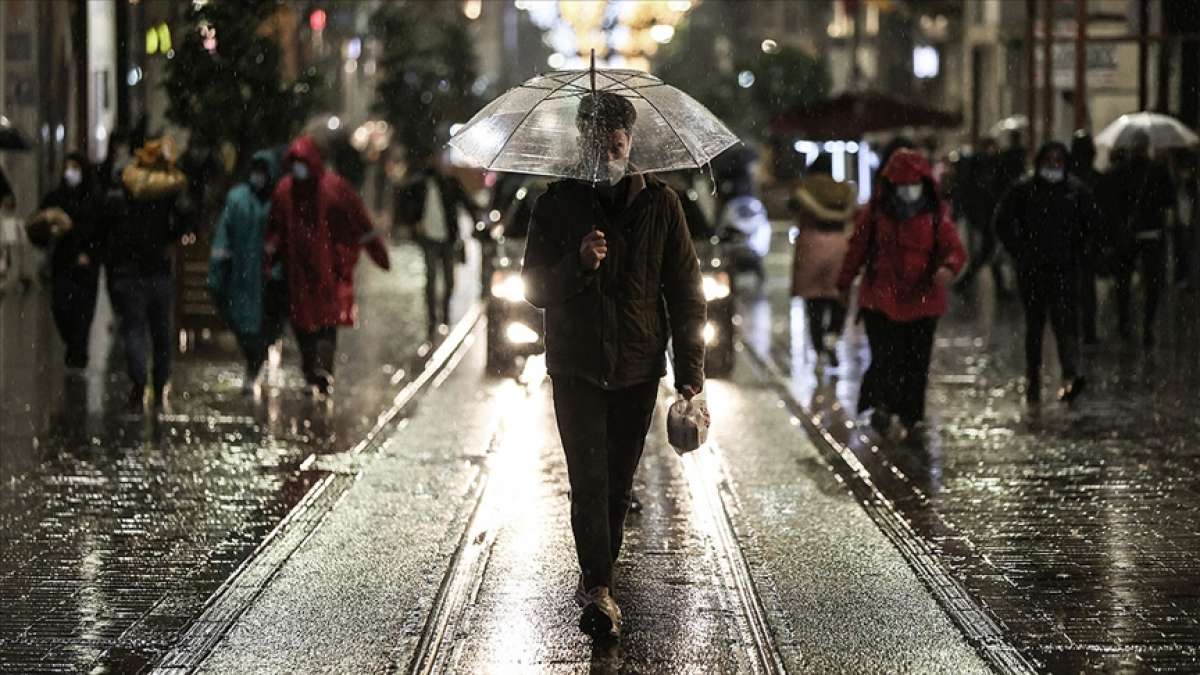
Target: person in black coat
column 612, row 264
column 1083, row 158
column 429, row 201
column 75, row 257
column 1044, row 222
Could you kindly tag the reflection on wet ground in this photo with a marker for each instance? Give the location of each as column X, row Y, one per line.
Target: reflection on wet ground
column 114, row 529
column 1075, row 527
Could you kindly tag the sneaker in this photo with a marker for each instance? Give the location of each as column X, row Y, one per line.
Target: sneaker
column 1071, row 389
column 601, row 617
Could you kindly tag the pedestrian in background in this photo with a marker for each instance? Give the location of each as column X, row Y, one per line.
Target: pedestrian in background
column 908, row 250
column 613, row 265
column 317, row 226
column 252, row 304
column 75, row 252
column 980, row 190
column 1044, row 222
column 1187, row 205
column 1142, row 195
column 824, row 212
column 431, row 202
column 1081, row 166
column 147, row 216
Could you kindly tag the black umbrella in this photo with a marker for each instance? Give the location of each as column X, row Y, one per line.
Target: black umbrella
column 12, row 138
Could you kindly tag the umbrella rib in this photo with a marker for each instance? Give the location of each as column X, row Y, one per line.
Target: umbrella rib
column 518, row 125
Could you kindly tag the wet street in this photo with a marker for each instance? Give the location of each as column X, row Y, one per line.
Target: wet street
column 420, row 522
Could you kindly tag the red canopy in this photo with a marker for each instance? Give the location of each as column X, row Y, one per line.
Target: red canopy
column 853, row 114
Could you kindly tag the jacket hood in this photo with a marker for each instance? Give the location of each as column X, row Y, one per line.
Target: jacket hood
column 907, row 166
column 1046, row 149
column 826, row 199
column 269, row 160
column 305, row 149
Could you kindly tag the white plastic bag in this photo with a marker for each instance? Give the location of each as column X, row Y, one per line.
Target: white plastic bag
column 687, row 425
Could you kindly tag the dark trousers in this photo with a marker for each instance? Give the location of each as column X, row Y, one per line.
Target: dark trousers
column 1185, row 248
column 602, row 435
column 899, row 372
column 1049, row 296
column 143, row 303
column 317, row 352
column 1087, row 301
column 254, row 346
column 1151, row 255
column 439, row 259
column 825, row 317
column 73, row 304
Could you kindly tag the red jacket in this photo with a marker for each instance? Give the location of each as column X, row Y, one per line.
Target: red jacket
column 317, row 227
column 900, row 259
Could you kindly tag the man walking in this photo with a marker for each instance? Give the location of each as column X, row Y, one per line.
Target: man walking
column 1044, row 222
column 612, row 264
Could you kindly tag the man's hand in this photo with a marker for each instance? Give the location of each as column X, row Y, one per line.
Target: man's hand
column 689, row 391
column 593, row 250
column 944, row 276
column 83, row 260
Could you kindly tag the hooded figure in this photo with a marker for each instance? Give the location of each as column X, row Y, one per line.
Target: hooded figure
column 317, row 226
column 1045, row 222
column 909, row 250
column 249, row 302
column 75, row 257
column 824, row 210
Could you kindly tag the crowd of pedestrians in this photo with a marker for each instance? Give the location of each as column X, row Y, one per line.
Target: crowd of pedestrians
column 1047, row 234
column 284, row 249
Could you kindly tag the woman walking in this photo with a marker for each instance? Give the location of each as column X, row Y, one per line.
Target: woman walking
column 252, row 306
column 74, row 257
column 824, row 210
column 908, row 250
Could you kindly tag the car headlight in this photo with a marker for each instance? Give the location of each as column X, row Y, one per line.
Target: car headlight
column 710, row 333
column 508, row 286
column 520, row 334
column 716, row 286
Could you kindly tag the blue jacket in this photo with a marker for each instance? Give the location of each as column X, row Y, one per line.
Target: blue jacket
column 235, row 275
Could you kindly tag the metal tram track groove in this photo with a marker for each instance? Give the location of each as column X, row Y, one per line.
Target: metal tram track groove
column 255, row 573
column 976, row 623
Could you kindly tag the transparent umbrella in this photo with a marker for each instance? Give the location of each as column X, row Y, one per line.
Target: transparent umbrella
column 536, row 128
column 1164, row 131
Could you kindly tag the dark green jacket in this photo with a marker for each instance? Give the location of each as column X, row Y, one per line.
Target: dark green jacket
column 611, row 326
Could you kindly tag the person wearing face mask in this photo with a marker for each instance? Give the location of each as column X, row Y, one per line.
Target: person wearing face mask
column 611, row 262
column 251, row 303
column 908, row 249
column 431, row 201
column 75, row 258
column 1044, row 222
column 317, row 226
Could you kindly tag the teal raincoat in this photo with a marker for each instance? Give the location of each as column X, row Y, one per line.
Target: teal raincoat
column 235, row 276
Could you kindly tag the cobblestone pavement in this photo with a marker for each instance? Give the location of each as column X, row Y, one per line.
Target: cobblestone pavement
column 115, row 530
column 1075, row 528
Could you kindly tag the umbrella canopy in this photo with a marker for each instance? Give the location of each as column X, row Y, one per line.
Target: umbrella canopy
column 12, row 138
column 537, row 127
column 855, row 114
column 1164, row 131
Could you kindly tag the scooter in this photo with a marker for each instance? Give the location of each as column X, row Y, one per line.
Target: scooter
column 745, row 233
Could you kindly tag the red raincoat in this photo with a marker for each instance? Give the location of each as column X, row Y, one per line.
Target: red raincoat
column 902, row 258
column 317, row 228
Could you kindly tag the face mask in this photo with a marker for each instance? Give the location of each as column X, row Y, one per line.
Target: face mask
column 258, row 180
column 910, row 194
column 1052, row 175
column 616, row 170
column 300, row 171
column 73, row 177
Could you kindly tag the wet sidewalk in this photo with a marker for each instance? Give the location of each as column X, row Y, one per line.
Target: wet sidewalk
column 453, row 553
column 114, row 529
column 1072, row 530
